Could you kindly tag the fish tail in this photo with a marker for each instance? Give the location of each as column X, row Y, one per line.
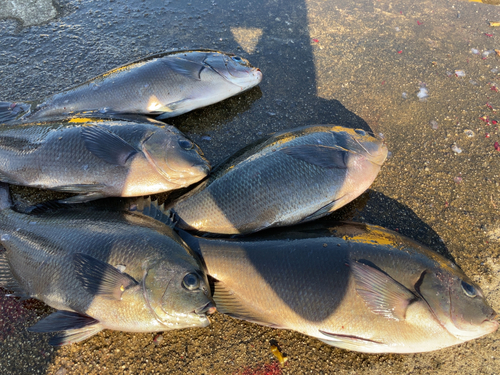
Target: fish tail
column 10, row 111
column 5, row 200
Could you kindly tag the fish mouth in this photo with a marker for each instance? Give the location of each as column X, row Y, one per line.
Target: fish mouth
column 207, row 309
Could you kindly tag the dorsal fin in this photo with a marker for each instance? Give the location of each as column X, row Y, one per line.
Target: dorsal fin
column 140, row 205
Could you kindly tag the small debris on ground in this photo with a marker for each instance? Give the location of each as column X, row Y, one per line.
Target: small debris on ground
column 423, row 93
column 277, row 352
column 456, row 149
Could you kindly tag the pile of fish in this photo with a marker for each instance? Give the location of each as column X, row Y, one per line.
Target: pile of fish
column 133, row 265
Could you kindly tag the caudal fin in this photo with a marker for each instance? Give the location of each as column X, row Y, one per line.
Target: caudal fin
column 10, row 111
column 5, row 200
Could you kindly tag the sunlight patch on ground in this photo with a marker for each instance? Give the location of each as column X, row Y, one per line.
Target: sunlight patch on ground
column 247, row 37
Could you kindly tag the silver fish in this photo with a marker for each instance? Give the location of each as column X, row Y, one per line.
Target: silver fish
column 99, row 158
column 354, row 286
column 291, row 177
column 102, row 269
column 167, row 84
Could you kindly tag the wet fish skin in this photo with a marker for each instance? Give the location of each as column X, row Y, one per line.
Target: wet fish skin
column 166, row 84
column 291, row 177
column 102, row 269
column 354, row 286
column 99, row 158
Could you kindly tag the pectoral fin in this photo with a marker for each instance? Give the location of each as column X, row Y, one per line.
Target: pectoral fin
column 187, row 68
column 82, row 198
column 107, row 146
column 100, row 278
column 325, row 210
column 167, row 109
column 382, row 294
column 322, row 156
column 228, row 304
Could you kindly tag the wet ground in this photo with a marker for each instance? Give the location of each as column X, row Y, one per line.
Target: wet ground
column 353, row 63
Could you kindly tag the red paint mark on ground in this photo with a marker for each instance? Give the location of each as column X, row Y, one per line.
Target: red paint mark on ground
column 487, row 135
column 494, row 88
column 400, row 51
column 316, row 40
column 494, row 122
column 265, row 369
column 497, row 146
column 488, row 35
column 419, row 23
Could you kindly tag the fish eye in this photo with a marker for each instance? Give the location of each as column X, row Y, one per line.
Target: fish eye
column 360, row 132
column 186, row 144
column 469, row 290
column 191, row 281
column 237, row 58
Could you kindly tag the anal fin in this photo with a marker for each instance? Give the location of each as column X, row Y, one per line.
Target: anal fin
column 74, row 335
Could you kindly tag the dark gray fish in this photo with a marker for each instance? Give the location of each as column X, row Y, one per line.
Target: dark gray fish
column 291, row 177
column 99, row 158
column 102, row 269
column 167, row 84
column 354, row 286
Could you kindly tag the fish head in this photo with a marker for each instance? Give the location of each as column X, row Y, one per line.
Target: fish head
column 177, row 295
column 234, row 69
column 457, row 303
column 359, row 142
column 177, row 158
column 361, row 156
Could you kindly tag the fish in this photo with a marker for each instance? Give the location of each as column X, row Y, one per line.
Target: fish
column 290, row 177
column 165, row 85
column 101, row 268
column 98, row 158
column 354, row 286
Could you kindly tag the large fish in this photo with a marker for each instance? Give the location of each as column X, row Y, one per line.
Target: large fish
column 291, row 177
column 166, row 84
column 353, row 286
column 99, row 158
column 102, row 269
